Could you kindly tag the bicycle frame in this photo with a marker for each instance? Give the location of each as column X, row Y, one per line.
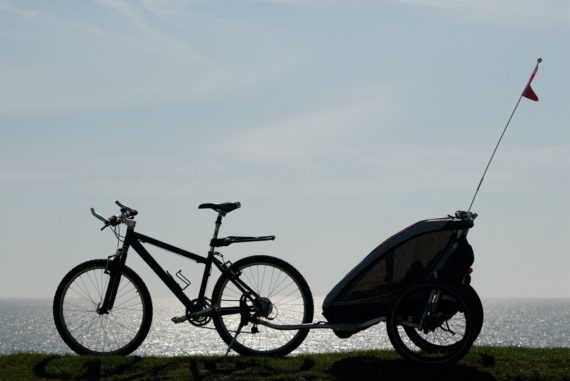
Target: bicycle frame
column 135, row 240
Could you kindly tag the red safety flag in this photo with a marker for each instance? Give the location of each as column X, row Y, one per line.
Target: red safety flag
column 528, row 91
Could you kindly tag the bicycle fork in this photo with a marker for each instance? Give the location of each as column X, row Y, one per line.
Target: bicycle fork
column 114, row 269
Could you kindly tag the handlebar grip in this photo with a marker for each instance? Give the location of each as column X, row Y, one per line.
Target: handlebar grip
column 129, row 212
column 125, row 208
column 126, row 212
column 99, row 217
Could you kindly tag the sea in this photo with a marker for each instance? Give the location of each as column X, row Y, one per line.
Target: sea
column 26, row 325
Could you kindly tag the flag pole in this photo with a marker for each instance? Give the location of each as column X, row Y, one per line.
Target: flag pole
column 528, row 93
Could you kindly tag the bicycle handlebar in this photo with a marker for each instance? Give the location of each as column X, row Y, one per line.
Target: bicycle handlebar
column 466, row 216
column 126, row 214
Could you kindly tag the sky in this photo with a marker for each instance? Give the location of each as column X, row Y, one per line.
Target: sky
column 334, row 123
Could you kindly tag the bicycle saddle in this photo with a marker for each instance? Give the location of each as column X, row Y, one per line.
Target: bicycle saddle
column 223, row 208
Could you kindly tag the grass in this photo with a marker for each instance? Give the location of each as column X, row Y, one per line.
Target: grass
column 482, row 363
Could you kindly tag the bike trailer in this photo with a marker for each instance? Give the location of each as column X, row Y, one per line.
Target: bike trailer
column 435, row 247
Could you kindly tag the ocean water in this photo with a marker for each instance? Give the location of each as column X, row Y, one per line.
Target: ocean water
column 26, row 325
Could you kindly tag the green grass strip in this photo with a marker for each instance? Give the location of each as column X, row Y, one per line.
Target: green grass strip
column 482, row 363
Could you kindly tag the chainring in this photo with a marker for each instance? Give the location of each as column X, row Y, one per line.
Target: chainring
column 200, row 321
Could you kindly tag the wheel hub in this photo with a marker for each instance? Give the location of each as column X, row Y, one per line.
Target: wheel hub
column 264, row 306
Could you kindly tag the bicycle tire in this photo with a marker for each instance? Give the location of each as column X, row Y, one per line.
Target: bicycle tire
column 452, row 304
column 477, row 313
column 86, row 331
column 290, row 298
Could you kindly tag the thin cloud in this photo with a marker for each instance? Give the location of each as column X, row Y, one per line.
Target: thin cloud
column 307, row 140
column 520, row 13
column 34, row 177
column 513, row 13
column 87, row 60
column 15, row 9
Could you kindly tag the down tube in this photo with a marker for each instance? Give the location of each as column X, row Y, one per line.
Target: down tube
column 163, row 275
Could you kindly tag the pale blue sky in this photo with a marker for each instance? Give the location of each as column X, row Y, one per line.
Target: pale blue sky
column 335, row 123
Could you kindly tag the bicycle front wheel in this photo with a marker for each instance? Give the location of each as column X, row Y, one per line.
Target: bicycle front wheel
column 84, row 329
column 286, row 299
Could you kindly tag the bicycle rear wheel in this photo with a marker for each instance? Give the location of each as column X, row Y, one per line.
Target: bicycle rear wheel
column 84, row 329
column 284, row 295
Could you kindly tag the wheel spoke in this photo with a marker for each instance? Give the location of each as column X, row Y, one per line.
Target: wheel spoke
column 87, row 331
column 448, row 327
column 290, row 303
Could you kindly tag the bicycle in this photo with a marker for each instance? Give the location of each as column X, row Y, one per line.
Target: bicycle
column 103, row 307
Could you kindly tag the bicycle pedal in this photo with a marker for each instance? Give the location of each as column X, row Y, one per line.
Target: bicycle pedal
column 179, row 319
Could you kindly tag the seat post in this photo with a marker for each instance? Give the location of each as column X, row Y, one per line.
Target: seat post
column 216, row 229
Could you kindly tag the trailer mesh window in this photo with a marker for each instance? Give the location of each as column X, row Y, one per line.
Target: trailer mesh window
column 398, row 266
